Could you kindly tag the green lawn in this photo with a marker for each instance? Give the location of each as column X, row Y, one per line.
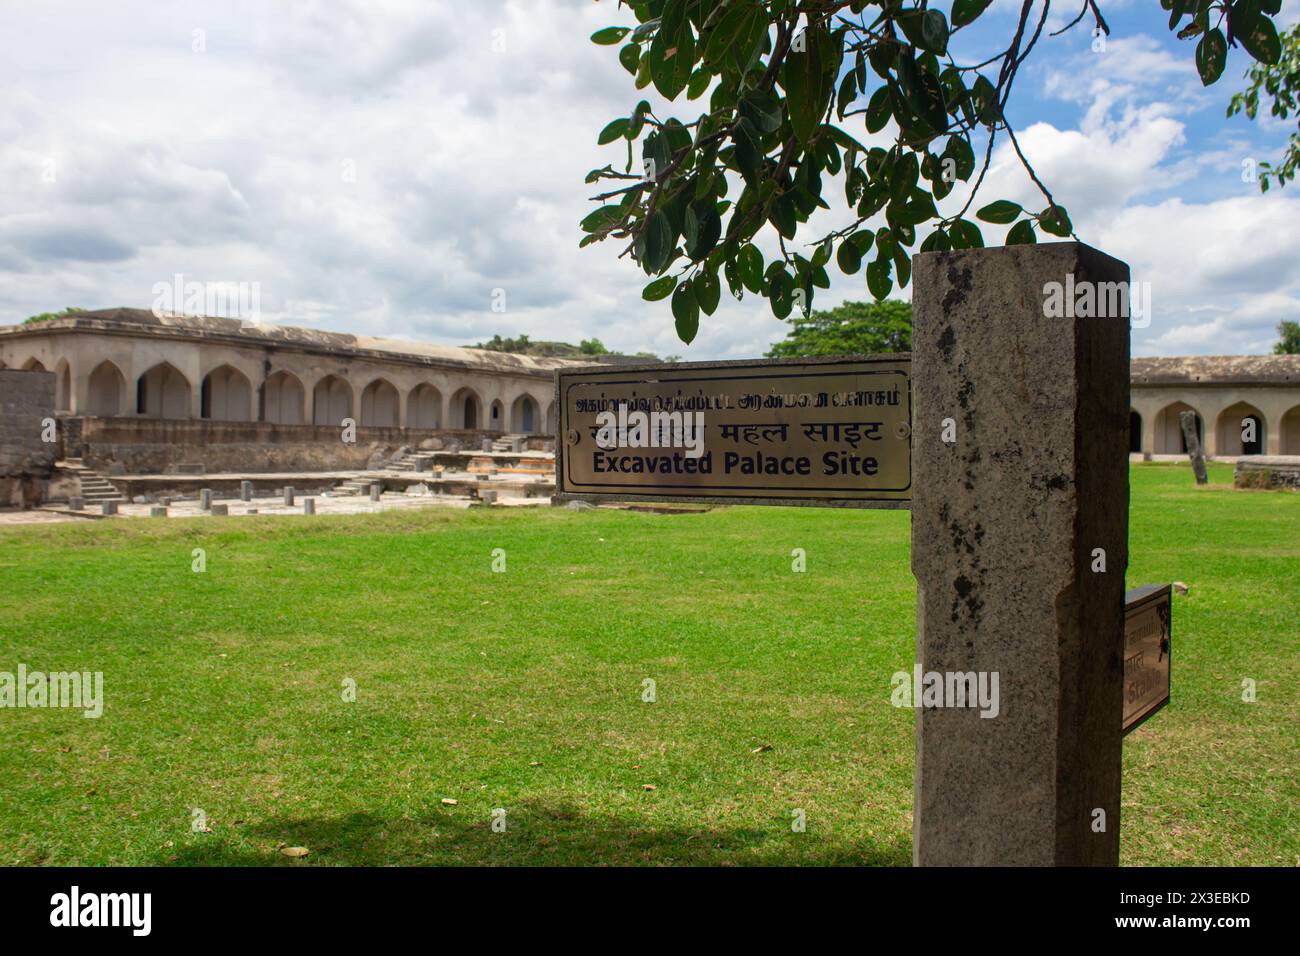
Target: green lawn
column 523, row 690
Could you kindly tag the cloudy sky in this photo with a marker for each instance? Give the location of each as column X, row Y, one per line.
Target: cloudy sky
column 382, row 166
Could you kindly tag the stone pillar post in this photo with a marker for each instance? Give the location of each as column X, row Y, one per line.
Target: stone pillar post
column 1009, row 507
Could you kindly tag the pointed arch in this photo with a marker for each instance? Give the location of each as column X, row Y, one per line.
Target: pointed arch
column 63, row 386
column 1169, row 429
column 33, row 364
column 497, row 417
column 163, row 392
column 525, row 415
column 284, row 398
column 466, row 409
column 331, row 401
column 380, row 404
column 1240, row 430
column 106, row 397
column 1289, row 432
column 423, row 407
column 226, row 395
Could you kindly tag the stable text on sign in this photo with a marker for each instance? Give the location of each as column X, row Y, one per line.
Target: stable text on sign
column 814, row 432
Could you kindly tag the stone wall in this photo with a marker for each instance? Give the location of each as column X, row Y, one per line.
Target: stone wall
column 153, row 446
column 1267, row 471
column 26, row 461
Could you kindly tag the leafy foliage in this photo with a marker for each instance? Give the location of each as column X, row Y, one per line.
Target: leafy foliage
column 854, row 328
column 47, row 316
column 1281, row 81
column 785, row 87
column 1289, row 335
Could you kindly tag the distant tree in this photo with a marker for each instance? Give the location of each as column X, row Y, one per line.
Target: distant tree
column 1289, row 333
column 850, row 329
column 1281, row 81
column 592, row 347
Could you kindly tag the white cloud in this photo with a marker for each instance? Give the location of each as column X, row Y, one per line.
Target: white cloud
column 230, row 165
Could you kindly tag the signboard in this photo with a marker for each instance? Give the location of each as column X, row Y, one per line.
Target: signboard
column 1148, row 639
column 831, row 432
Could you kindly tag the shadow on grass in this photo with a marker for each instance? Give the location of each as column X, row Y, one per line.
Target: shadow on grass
column 535, row 835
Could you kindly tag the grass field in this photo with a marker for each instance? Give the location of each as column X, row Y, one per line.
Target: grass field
column 523, row 690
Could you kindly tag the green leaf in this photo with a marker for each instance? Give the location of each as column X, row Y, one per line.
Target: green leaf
column 1003, row 211
column 849, row 258
column 686, row 311
column 750, row 264
column 1259, row 37
column 749, row 150
column 923, row 94
column 708, row 291
column 1055, row 221
column 701, row 228
column 699, row 82
column 630, row 57
column 966, row 11
column 807, row 86
column 879, row 284
column 780, row 291
column 610, row 35
column 601, row 218
column 661, row 288
column 1211, row 54
column 965, row 235
column 926, row 30
column 612, row 131
column 658, row 243
column 878, row 110
column 1022, row 233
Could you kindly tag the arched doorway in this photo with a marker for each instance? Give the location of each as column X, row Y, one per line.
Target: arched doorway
column 331, row 401
column 107, row 393
column 1169, row 429
column 33, row 365
column 1240, row 431
column 226, row 395
column 423, row 407
column 524, row 415
column 1134, row 433
column 162, row 392
column 379, row 404
column 63, row 387
column 284, row 397
column 1290, row 434
column 465, row 409
column 496, row 420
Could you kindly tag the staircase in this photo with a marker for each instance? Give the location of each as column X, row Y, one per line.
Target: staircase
column 407, row 461
column 352, row 487
column 507, row 442
column 93, row 487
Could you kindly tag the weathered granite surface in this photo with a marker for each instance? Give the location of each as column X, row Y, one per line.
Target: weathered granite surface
column 26, row 460
column 1004, row 523
column 1267, row 471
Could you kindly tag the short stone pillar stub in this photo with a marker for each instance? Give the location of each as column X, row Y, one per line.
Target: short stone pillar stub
column 288, row 496
column 219, row 510
column 376, row 489
column 205, row 498
column 1020, row 497
column 108, row 507
column 309, row 506
column 245, row 491
column 76, row 503
column 158, row 511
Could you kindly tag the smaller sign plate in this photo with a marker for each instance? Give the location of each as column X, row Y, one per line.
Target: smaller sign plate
column 1148, row 643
